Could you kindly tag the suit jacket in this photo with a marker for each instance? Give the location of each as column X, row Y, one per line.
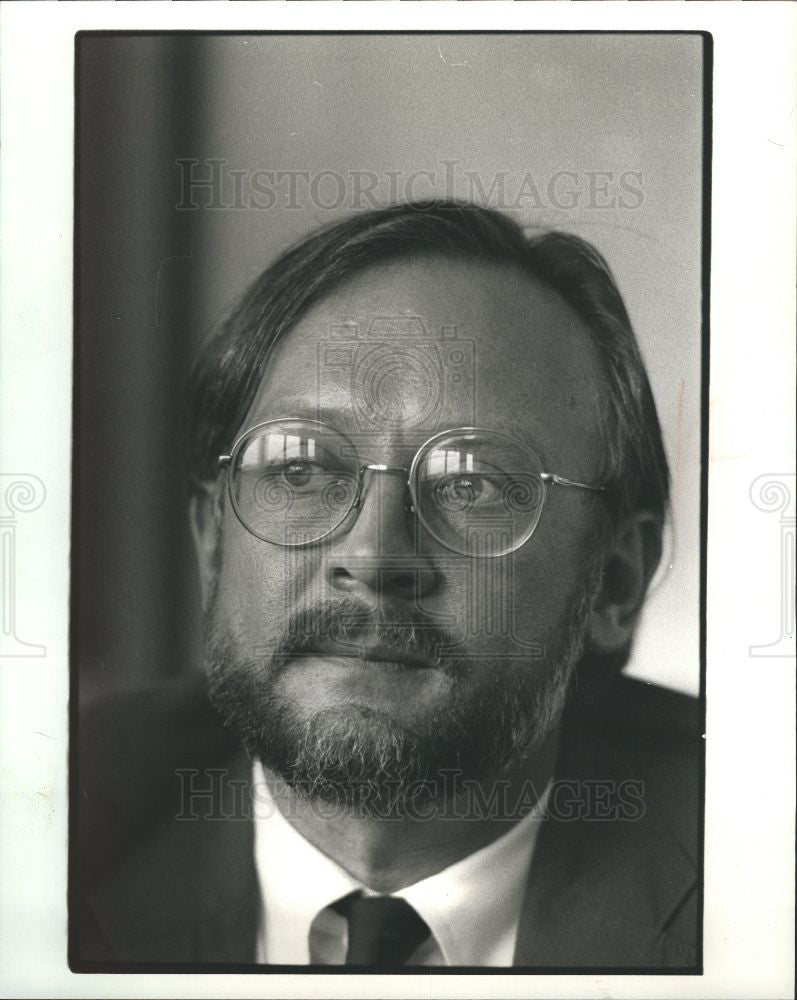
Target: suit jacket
column 613, row 883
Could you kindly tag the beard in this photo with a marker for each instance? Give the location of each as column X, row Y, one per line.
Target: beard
column 361, row 759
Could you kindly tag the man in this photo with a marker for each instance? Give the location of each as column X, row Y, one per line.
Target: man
column 428, row 496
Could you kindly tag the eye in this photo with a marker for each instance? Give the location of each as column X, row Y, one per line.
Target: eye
column 298, row 474
column 313, row 480
column 464, row 492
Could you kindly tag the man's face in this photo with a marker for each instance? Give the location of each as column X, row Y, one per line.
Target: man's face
column 368, row 690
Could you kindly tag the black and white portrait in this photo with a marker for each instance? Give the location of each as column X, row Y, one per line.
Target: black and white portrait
column 389, row 417
column 397, row 500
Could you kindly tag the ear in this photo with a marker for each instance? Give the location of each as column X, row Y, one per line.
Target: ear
column 629, row 565
column 204, row 511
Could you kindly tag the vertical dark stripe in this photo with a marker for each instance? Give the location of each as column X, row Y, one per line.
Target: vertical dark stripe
column 136, row 99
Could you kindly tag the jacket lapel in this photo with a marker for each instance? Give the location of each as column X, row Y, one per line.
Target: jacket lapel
column 616, row 892
column 602, row 893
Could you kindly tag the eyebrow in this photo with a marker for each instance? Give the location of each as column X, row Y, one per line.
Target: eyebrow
column 523, row 434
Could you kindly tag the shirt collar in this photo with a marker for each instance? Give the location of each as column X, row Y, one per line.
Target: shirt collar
column 468, row 906
column 296, row 879
column 475, row 903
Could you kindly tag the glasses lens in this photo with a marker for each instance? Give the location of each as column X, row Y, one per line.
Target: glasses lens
column 479, row 493
column 293, row 482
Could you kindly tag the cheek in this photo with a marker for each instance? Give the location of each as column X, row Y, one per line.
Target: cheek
column 548, row 575
column 260, row 584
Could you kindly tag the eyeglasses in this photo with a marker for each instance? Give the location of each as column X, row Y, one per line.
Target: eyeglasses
column 478, row 492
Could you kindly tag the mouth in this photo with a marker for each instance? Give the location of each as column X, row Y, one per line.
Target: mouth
column 372, row 656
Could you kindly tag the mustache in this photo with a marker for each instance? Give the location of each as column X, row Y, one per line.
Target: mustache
column 352, row 627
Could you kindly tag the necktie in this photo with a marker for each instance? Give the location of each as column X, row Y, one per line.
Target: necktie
column 383, row 930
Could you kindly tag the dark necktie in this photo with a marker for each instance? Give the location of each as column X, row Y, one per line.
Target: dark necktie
column 383, row 930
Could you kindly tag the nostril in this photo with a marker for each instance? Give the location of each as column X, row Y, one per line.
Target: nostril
column 341, row 579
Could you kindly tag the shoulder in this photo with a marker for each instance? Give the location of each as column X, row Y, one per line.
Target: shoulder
column 148, row 881
column 634, row 731
column 626, row 712
column 129, row 753
column 615, row 875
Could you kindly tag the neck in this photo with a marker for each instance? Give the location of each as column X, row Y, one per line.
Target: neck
column 387, row 854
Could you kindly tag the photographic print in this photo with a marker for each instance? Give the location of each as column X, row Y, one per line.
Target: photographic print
column 389, row 501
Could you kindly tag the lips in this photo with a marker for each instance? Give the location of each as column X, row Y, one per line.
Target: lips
column 373, row 653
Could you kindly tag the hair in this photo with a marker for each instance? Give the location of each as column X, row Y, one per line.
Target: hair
column 230, row 368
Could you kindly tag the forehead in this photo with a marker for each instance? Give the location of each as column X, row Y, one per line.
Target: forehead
column 420, row 346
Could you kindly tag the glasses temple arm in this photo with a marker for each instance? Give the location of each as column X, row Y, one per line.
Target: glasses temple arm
column 551, row 477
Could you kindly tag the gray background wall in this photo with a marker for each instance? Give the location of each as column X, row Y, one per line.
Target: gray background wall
column 599, row 135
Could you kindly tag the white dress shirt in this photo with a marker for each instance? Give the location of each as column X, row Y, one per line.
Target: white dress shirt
column 472, row 907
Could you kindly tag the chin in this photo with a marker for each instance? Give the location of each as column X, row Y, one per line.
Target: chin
column 354, row 756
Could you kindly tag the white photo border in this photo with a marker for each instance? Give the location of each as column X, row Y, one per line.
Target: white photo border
column 749, row 860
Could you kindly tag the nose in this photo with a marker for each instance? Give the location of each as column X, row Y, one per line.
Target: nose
column 377, row 557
